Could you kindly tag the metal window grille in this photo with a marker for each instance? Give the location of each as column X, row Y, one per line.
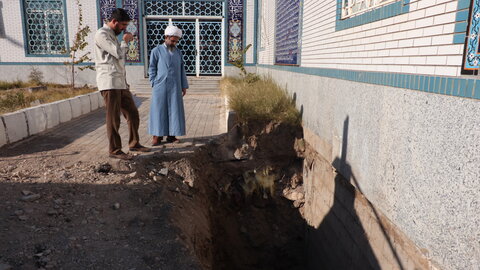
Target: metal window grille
column 183, row 8
column 354, row 7
column 45, row 26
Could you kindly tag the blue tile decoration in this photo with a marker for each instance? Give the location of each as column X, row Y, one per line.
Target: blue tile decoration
column 235, row 30
column 431, row 84
column 469, row 88
column 461, row 88
column 449, row 86
column 472, row 56
column 376, row 14
column 106, row 7
column 287, row 31
column 476, row 94
column 460, row 27
column 133, row 53
column 443, row 84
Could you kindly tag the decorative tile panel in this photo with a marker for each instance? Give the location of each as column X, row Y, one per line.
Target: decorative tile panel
column 133, row 53
column 235, row 29
column 45, row 28
column 287, row 32
column 472, row 51
column 106, row 8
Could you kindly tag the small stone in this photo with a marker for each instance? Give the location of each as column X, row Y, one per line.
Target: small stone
column 156, row 178
column 78, row 203
column 164, row 171
column 22, row 218
column 30, row 198
column 26, row 192
column 58, row 201
column 188, row 182
column 103, row 168
column 52, row 212
column 116, row 206
column 134, row 174
column 294, row 194
column 242, row 152
column 298, row 204
column 19, row 212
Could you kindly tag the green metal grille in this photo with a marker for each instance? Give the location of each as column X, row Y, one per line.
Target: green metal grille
column 45, row 26
column 183, row 8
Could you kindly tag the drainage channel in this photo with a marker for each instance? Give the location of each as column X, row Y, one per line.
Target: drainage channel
column 237, row 201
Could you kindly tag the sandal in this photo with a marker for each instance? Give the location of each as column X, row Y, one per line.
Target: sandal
column 121, row 155
column 157, row 140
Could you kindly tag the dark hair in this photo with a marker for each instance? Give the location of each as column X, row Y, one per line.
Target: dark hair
column 120, row 15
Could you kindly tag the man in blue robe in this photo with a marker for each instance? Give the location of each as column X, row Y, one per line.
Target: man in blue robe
column 169, row 83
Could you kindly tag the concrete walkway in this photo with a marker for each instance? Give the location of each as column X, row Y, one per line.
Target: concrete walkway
column 84, row 138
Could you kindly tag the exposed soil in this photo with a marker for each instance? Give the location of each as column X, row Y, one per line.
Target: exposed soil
column 223, row 207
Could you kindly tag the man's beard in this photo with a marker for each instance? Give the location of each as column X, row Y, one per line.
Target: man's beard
column 117, row 31
column 170, row 47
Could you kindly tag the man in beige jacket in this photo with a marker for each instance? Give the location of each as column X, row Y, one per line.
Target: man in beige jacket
column 112, row 82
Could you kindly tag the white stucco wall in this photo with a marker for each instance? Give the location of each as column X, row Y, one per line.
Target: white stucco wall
column 415, row 156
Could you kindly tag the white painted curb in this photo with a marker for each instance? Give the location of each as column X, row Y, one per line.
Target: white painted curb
column 23, row 123
column 76, row 107
column 3, row 133
column 85, row 103
column 36, row 119
column 65, row 110
column 93, row 101
column 52, row 113
column 16, row 126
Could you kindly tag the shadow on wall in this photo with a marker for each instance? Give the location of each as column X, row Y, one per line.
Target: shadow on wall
column 341, row 239
column 3, row 33
column 2, row 23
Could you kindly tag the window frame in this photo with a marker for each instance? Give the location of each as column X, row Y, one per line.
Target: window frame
column 48, row 53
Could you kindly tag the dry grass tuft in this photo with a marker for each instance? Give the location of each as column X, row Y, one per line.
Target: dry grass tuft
column 262, row 100
column 16, row 99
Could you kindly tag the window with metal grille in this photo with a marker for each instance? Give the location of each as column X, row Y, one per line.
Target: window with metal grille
column 353, row 7
column 45, row 29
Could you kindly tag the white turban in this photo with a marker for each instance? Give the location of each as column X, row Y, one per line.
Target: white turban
column 173, row 31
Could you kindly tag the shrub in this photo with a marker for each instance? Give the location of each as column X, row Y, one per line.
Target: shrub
column 36, row 76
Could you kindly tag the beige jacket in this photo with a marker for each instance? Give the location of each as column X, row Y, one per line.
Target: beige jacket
column 110, row 60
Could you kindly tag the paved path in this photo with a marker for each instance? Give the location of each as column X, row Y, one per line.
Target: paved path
column 84, row 138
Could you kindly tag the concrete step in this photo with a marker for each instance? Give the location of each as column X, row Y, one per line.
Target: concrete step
column 197, row 86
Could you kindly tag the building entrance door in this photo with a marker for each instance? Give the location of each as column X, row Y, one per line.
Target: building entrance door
column 203, row 31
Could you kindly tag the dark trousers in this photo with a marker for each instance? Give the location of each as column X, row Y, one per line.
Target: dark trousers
column 117, row 101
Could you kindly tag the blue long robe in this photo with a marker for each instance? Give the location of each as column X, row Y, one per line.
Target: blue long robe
column 167, row 77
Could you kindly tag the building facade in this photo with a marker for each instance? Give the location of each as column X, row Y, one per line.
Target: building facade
column 37, row 33
column 388, row 91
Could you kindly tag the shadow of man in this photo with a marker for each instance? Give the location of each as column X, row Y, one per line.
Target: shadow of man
column 340, row 241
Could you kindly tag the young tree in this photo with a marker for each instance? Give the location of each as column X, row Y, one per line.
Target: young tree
column 76, row 57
